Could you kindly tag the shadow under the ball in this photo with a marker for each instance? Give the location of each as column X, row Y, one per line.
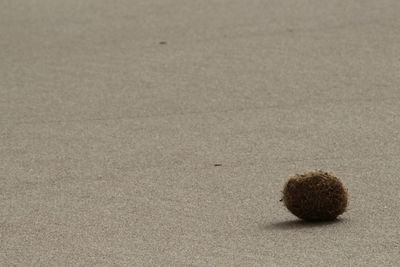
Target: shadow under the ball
column 299, row 224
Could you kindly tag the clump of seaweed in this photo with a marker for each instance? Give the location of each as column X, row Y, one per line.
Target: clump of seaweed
column 315, row 196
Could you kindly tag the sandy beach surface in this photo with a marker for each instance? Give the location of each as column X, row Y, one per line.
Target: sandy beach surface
column 161, row 132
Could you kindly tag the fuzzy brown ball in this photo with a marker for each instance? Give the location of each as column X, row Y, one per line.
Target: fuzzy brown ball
column 315, row 195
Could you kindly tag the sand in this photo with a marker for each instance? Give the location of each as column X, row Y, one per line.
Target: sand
column 161, row 132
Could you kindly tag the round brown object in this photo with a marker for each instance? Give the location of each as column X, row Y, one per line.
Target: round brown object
column 315, row 195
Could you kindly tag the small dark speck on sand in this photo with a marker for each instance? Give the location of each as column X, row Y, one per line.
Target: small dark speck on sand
column 217, row 164
column 163, row 42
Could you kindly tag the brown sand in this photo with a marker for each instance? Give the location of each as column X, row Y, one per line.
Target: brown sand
column 108, row 139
